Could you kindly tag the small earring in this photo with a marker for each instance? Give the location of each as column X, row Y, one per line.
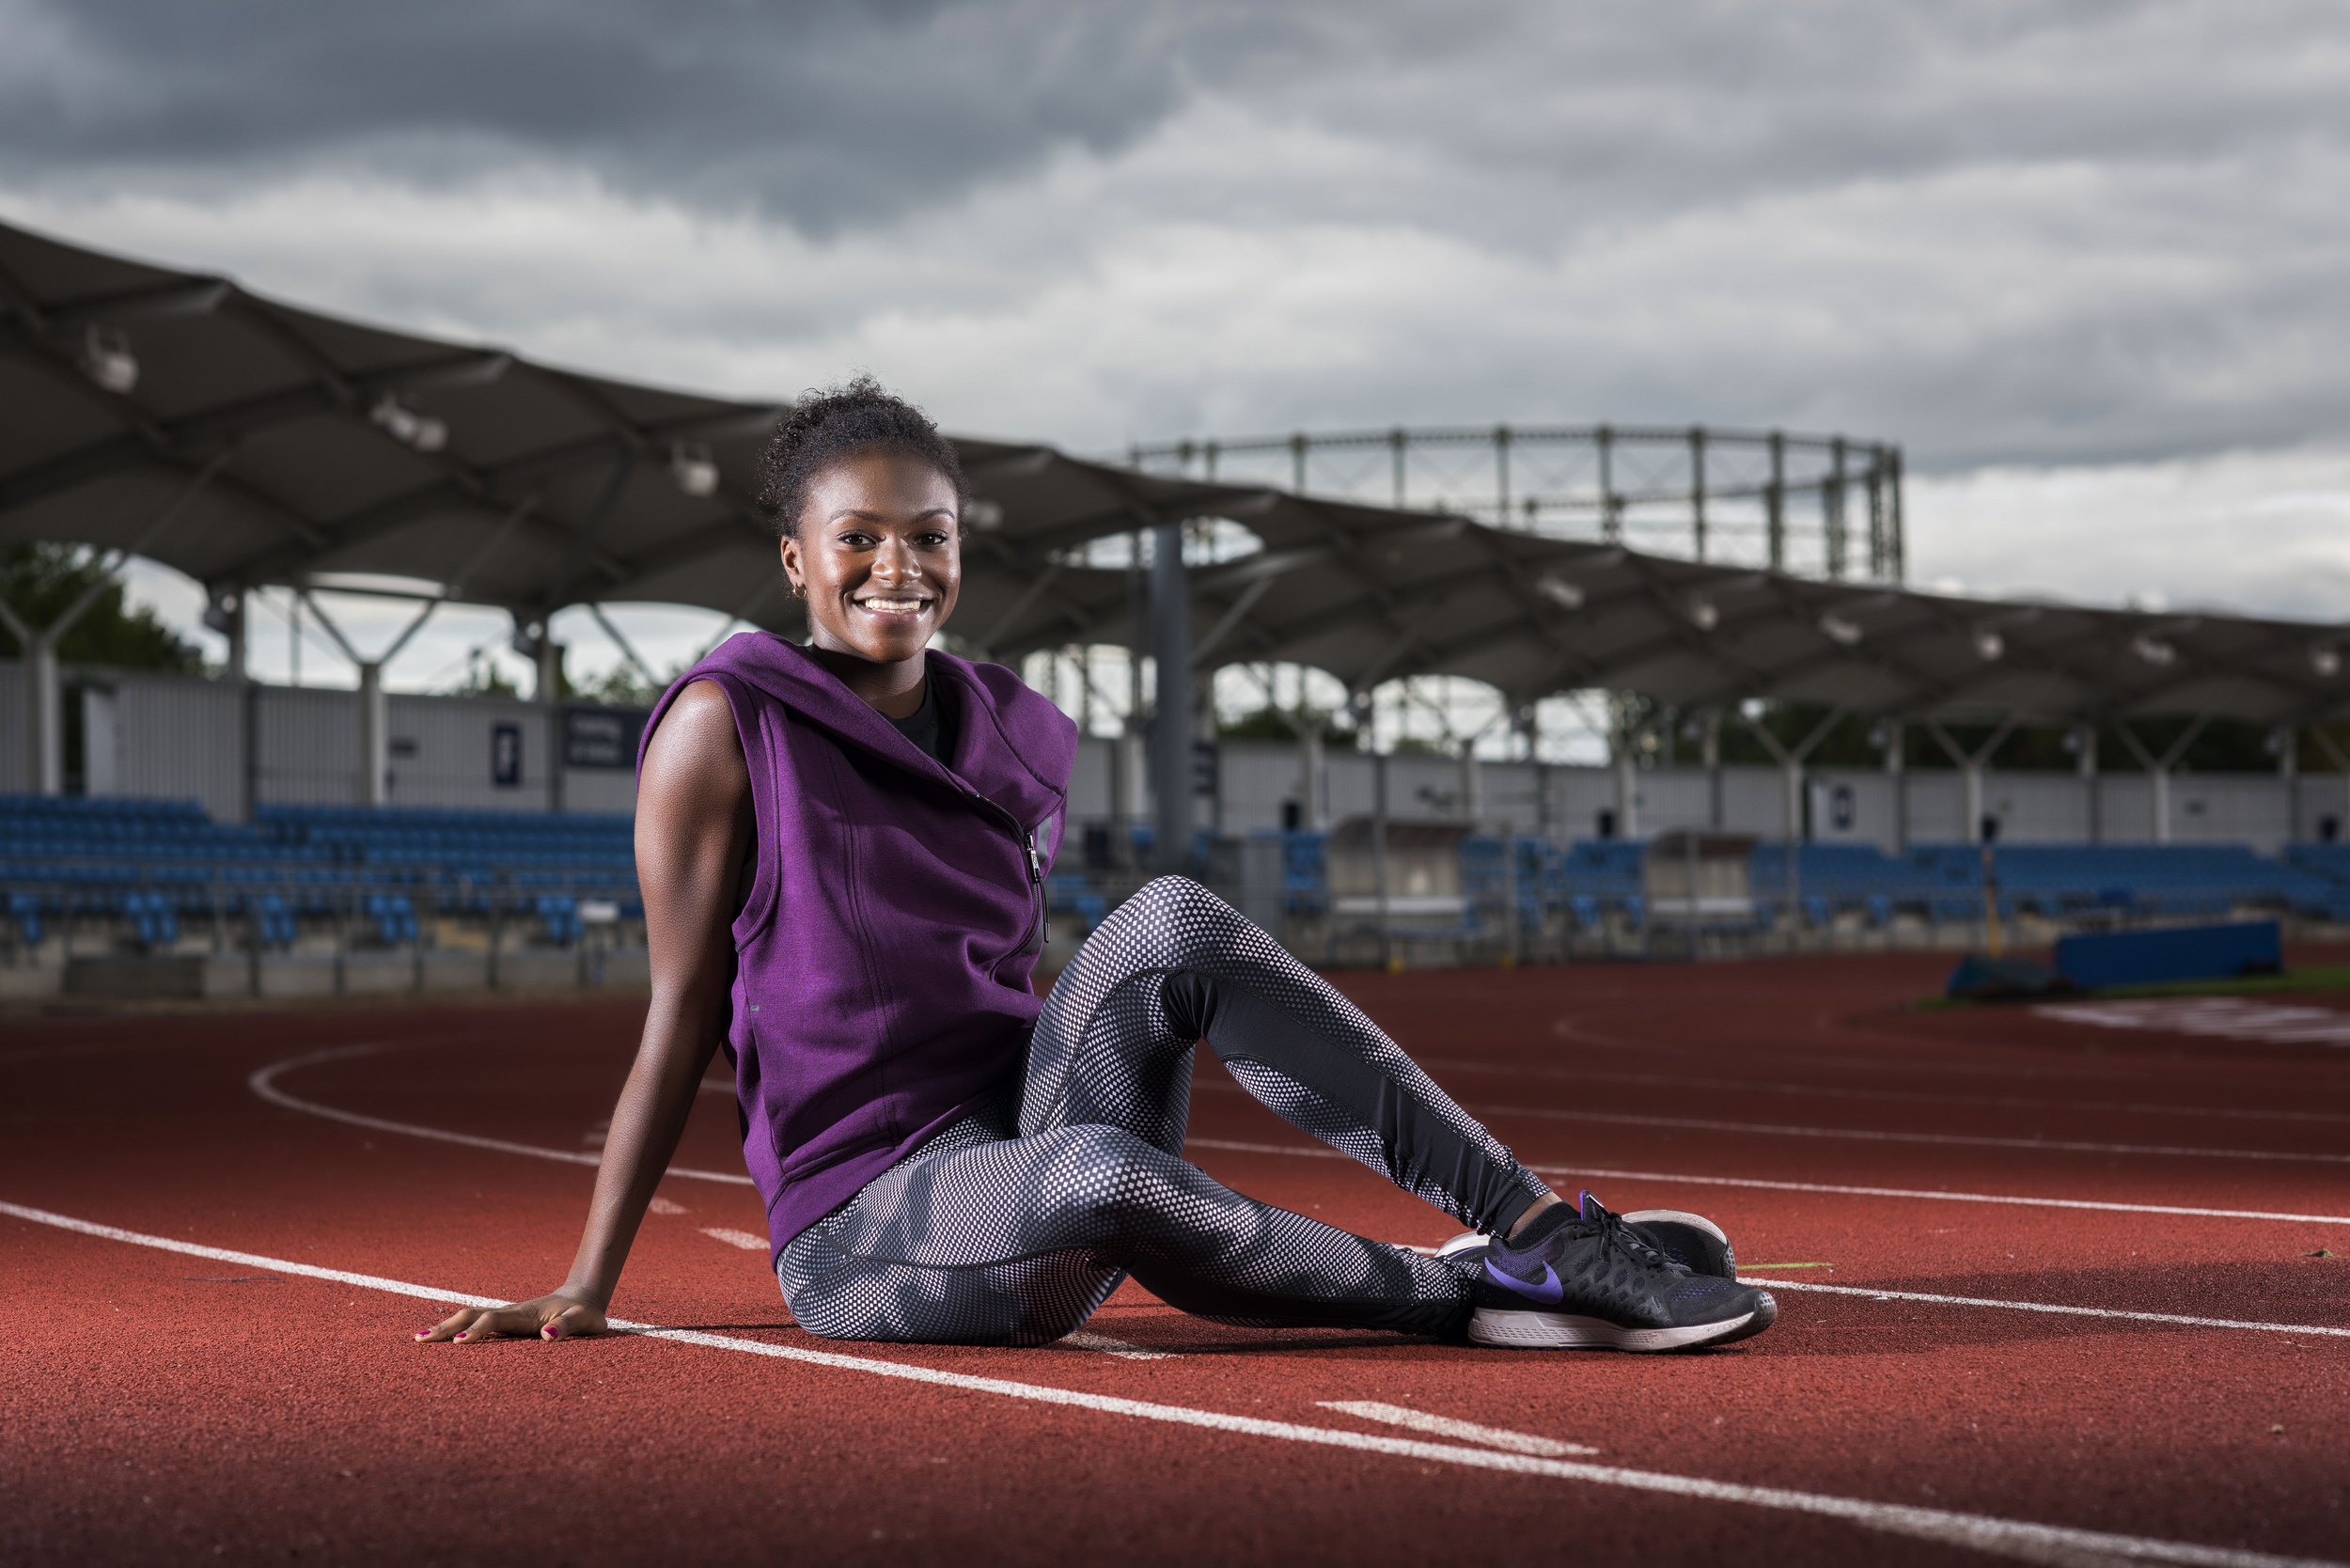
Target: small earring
column 799, row 591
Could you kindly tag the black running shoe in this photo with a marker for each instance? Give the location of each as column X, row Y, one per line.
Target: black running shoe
column 1587, row 1281
column 1693, row 1241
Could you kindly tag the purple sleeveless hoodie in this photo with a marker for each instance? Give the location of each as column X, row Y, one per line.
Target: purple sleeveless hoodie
column 883, row 959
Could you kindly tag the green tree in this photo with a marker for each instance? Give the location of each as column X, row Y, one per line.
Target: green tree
column 621, row 687
column 1271, row 724
column 41, row 582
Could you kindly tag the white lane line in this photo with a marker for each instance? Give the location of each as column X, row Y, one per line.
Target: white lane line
column 742, row 1239
column 1972, row 1140
column 1899, row 1096
column 1979, row 1532
column 2044, row 1306
column 1466, row 1432
column 2229, row 1017
column 1616, row 1174
column 1082, row 1340
column 264, row 1082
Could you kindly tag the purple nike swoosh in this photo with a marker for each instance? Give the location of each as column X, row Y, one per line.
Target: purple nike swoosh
column 1548, row 1292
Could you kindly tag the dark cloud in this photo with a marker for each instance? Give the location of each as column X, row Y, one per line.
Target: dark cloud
column 1997, row 231
column 818, row 112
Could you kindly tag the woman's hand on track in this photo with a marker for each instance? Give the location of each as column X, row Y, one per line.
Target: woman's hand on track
column 549, row 1317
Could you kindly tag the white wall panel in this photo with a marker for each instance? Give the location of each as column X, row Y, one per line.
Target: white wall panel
column 441, row 754
column 178, row 738
column 307, row 747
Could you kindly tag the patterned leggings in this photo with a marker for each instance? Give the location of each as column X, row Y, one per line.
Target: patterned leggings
column 990, row 1235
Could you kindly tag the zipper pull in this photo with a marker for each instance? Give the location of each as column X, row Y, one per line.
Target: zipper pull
column 1036, row 861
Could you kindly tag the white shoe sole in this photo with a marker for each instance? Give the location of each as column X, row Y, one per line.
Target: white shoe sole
column 1521, row 1331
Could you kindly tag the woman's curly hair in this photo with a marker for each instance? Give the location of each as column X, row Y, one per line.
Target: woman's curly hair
column 833, row 422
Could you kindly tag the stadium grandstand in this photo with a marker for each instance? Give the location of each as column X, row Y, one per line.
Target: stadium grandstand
column 1841, row 749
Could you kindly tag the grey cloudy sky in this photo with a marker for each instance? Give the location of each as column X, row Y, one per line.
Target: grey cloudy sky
column 2086, row 262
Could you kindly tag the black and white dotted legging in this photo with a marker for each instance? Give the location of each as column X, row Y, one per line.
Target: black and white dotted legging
column 988, row 1235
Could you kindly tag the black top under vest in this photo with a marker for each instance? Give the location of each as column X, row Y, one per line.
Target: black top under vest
column 927, row 727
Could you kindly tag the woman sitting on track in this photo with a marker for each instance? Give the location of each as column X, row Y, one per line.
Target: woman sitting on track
column 842, row 851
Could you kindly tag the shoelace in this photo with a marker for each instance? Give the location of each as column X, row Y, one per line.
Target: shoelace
column 1613, row 1233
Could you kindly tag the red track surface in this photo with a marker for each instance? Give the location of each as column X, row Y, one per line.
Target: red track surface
column 162, row 1406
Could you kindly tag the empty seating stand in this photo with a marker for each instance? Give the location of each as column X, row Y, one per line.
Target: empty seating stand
column 153, row 875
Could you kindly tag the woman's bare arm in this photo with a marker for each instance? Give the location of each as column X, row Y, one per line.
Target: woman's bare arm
column 693, row 831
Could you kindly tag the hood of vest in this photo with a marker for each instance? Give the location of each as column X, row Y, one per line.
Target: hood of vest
column 1012, row 747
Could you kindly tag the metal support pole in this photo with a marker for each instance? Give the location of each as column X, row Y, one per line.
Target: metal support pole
column 1610, row 526
column 1627, row 795
column 1501, row 476
column 46, row 695
column 1297, row 463
column 1472, row 782
column 1710, row 753
column 375, row 782
column 1832, row 495
column 1172, row 721
column 1774, row 502
column 1898, row 561
column 230, row 609
column 1310, row 771
column 1697, row 487
column 1874, row 481
column 1396, row 441
column 548, row 692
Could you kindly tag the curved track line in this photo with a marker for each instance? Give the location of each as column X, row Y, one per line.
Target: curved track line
column 1300, row 1151
column 2172, row 1318
column 263, row 1082
column 1905, row 1096
column 1972, row 1140
column 2014, row 1538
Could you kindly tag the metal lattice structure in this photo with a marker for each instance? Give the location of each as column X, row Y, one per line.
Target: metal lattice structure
column 1822, row 505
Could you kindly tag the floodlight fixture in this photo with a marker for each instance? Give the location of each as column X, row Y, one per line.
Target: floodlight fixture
column 1703, row 613
column 2153, row 650
column 1990, row 647
column 220, row 610
column 983, row 515
column 694, row 469
column 1838, row 630
column 2324, row 660
column 420, row 431
column 107, row 360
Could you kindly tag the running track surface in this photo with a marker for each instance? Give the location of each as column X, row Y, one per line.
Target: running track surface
column 166, row 1405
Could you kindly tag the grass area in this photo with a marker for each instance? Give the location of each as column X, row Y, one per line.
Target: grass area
column 2321, row 977
column 2326, row 977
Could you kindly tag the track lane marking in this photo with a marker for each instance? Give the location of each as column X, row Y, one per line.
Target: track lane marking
column 2017, row 1538
column 263, row 1082
column 1901, row 1096
column 742, row 1239
column 1867, row 1135
column 1613, row 1173
column 2172, row 1318
column 1466, row 1432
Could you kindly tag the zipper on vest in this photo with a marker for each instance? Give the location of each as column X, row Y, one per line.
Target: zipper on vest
column 1033, row 940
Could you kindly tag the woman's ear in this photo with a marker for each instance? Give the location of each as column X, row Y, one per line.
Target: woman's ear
column 790, row 554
